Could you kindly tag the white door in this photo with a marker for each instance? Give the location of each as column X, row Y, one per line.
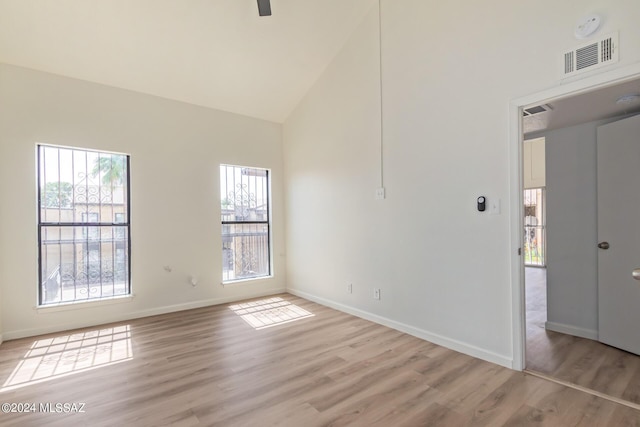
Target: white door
column 619, row 226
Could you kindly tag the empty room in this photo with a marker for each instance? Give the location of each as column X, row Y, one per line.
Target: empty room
column 310, row 213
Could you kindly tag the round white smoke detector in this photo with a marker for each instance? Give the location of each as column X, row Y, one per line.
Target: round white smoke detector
column 587, row 26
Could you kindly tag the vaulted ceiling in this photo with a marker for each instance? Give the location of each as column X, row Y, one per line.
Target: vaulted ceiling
column 214, row 53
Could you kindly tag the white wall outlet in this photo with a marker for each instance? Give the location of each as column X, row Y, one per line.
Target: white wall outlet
column 380, row 193
column 494, row 206
column 349, row 288
column 376, row 293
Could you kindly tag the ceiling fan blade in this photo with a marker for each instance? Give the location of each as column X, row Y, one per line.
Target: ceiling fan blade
column 264, row 7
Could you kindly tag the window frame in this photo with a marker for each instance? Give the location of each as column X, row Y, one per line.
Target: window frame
column 225, row 224
column 83, row 224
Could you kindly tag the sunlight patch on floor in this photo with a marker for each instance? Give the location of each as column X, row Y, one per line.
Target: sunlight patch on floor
column 56, row 357
column 269, row 312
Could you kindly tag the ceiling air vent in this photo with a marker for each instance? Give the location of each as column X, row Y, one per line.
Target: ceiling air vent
column 532, row 111
column 591, row 55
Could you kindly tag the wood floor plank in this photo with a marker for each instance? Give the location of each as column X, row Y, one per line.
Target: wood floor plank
column 209, row 367
column 474, row 388
column 435, row 414
column 410, row 408
column 580, row 361
column 632, row 392
column 368, row 405
column 502, row 403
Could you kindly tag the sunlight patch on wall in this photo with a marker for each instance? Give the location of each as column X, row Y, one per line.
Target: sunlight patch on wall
column 56, row 357
column 269, row 312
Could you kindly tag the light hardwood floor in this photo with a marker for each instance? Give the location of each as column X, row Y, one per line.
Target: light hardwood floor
column 211, row 367
column 584, row 362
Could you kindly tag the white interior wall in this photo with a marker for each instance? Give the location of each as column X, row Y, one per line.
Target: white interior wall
column 449, row 72
column 533, row 165
column 572, row 274
column 175, row 151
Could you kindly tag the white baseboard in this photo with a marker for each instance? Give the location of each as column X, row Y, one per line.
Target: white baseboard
column 572, row 330
column 411, row 330
column 123, row 317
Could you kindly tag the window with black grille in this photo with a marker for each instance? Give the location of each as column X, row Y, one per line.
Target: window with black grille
column 244, row 203
column 83, row 225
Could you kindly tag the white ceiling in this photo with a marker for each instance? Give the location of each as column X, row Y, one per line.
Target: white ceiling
column 215, row 53
column 583, row 108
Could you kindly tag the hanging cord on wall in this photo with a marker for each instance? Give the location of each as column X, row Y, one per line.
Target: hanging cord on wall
column 381, row 104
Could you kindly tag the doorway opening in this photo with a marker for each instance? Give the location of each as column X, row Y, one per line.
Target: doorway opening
column 538, row 345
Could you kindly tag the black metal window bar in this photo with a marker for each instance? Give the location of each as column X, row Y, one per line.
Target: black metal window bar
column 83, row 225
column 246, row 222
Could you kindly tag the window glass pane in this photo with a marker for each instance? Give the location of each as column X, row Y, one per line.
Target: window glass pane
column 534, row 227
column 75, row 267
column 81, row 262
column 244, row 193
column 245, row 251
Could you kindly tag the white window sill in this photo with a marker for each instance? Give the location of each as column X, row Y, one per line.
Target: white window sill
column 77, row 305
column 246, row 281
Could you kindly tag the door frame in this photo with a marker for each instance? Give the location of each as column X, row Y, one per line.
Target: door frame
column 516, row 187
